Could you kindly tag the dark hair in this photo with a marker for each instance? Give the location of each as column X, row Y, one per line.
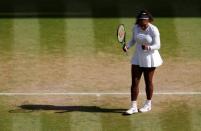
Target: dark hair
column 144, row 13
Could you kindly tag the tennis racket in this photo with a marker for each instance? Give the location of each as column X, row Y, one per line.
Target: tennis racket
column 121, row 35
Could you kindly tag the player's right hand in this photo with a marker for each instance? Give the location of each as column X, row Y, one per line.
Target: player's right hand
column 125, row 48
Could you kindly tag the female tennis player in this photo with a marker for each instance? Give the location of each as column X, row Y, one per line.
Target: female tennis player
column 146, row 39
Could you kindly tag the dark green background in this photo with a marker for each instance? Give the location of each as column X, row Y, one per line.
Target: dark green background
column 98, row 8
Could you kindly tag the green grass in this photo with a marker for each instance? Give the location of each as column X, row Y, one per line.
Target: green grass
column 24, row 39
column 174, row 113
column 179, row 36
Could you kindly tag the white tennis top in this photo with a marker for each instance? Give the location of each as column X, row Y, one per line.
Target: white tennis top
column 151, row 37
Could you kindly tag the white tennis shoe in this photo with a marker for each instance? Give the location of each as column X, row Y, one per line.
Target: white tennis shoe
column 146, row 107
column 131, row 111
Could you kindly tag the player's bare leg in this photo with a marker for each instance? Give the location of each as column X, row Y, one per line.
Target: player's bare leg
column 136, row 73
column 148, row 77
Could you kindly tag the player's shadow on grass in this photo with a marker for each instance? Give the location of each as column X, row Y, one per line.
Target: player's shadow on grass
column 64, row 109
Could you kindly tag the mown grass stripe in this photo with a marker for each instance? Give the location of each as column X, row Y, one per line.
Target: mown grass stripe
column 85, row 121
column 57, row 121
column 26, row 48
column 176, row 117
column 80, row 36
column 52, row 36
column 140, row 122
column 195, row 119
column 188, row 34
column 170, row 46
column 26, row 122
column 26, row 36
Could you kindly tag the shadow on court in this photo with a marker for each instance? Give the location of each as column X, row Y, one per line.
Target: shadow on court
column 63, row 109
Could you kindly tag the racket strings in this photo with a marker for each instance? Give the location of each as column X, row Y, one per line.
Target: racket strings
column 121, row 33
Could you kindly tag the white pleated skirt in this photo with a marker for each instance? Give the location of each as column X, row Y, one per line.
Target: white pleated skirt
column 149, row 59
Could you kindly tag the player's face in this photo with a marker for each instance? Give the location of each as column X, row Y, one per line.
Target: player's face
column 144, row 23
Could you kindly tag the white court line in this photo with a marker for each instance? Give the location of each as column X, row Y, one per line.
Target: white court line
column 96, row 93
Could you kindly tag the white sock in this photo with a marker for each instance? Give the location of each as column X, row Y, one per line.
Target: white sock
column 134, row 104
column 148, row 102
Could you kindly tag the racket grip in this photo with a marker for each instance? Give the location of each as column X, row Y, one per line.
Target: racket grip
column 123, row 47
column 125, row 50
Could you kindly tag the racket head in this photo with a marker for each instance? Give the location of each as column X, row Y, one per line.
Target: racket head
column 121, row 33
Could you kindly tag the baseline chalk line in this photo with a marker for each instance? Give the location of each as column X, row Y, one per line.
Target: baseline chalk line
column 95, row 93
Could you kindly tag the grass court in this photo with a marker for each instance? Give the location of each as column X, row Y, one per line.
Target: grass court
column 76, row 55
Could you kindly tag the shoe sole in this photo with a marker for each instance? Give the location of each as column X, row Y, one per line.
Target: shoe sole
column 129, row 113
column 144, row 111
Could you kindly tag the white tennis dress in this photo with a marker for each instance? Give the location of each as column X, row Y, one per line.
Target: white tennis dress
column 151, row 37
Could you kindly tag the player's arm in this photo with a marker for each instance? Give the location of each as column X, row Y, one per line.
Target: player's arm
column 132, row 41
column 156, row 40
column 129, row 44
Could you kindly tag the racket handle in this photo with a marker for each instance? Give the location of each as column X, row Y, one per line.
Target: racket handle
column 125, row 50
